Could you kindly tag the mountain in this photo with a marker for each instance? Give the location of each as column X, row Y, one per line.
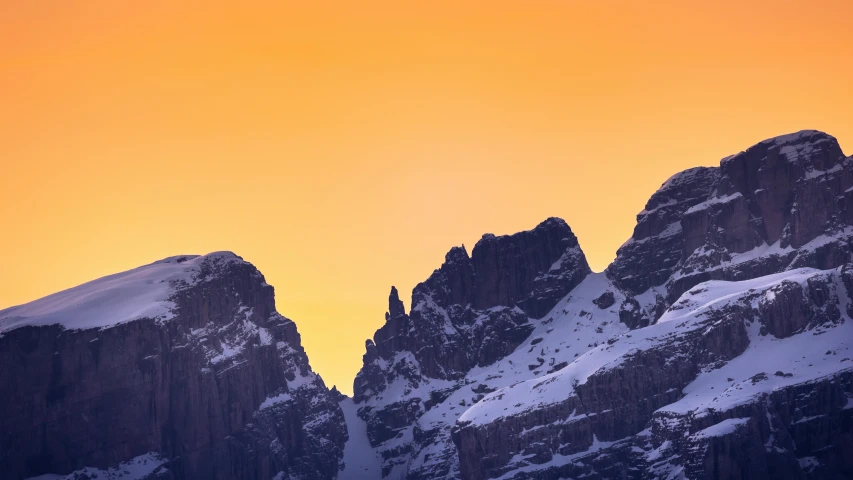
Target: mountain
column 469, row 314
column 718, row 344
column 781, row 204
column 177, row 369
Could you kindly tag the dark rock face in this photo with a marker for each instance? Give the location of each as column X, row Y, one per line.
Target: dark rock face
column 801, row 431
column 783, row 203
column 847, row 277
column 605, row 300
column 652, row 253
column 221, row 391
column 791, row 307
column 532, row 269
column 791, row 182
column 632, row 314
column 470, row 312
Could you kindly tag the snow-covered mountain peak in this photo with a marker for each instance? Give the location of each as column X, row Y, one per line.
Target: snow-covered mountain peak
column 783, row 203
column 142, row 292
column 182, row 365
column 810, row 146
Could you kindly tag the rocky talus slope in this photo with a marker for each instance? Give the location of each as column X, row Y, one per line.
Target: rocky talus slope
column 718, row 344
column 178, row 369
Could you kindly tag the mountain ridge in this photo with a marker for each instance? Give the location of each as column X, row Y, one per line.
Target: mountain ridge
column 515, row 362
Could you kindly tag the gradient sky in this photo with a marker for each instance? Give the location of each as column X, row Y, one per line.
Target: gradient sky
column 343, row 147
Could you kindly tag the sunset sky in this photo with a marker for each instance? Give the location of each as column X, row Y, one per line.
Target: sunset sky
column 344, row 147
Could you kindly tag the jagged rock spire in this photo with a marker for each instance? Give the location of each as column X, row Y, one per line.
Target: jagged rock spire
column 395, row 305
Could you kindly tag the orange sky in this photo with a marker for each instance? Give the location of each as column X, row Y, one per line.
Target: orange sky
column 343, row 147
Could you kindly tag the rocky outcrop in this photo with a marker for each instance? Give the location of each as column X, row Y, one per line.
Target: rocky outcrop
column 469, row 313
column 532, row 269
column 783, row 203
column 791, row 307
column 653, row 252
column 220, row 388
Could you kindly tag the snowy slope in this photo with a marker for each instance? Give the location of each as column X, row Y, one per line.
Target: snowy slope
column 572, row 328
column 138, row 468
column 360, row 459
column 143, row 292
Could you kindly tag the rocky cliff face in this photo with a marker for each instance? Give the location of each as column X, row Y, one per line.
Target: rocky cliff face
column 212, row 383
column 783, row 203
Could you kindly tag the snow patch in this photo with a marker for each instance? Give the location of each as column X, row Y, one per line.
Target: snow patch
column 136, row 468
column 723, row 428
column 713, row 201
column 270, row 401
